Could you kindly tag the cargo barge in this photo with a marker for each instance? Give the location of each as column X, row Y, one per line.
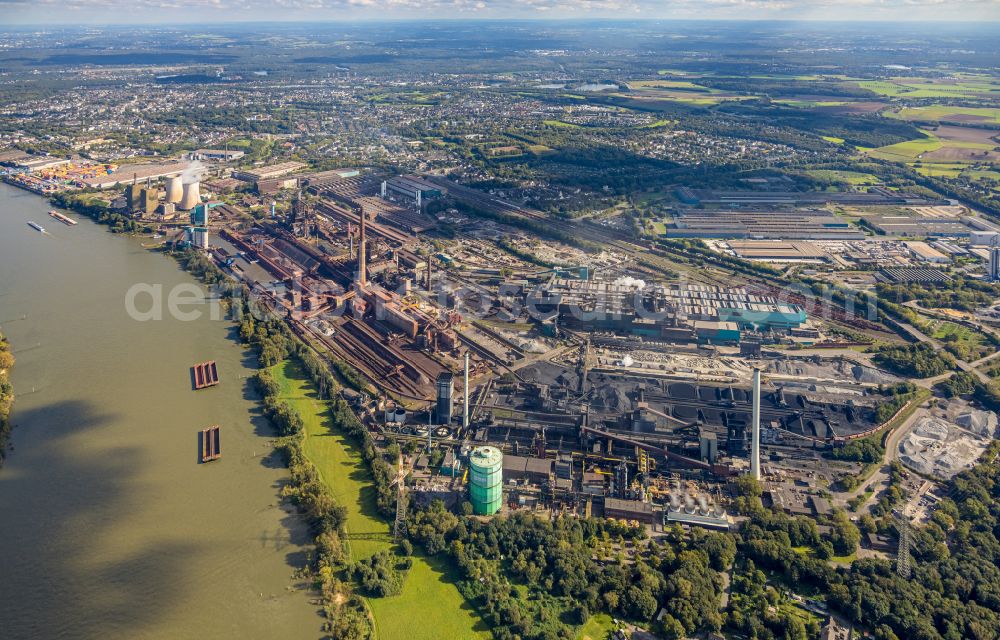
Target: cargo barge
column 205, row 374
column 211, row 444
column 36, row 226
column 62, row 218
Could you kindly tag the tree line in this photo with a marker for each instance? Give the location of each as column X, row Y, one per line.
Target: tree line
column 6, row 394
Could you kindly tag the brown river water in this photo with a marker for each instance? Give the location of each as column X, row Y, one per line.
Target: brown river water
column 109, row 526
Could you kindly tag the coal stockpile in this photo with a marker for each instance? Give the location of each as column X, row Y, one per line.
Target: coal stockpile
column 813, row 415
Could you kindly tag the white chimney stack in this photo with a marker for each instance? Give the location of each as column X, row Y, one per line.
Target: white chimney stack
column 191, row 198
column 755, row 433
column 465, row 409
column 174, row 189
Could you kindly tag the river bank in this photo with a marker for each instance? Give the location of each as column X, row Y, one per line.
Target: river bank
column 6, row 394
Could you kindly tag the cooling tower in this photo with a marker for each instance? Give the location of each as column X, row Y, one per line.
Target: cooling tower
column 174, row 189
column 191, row 198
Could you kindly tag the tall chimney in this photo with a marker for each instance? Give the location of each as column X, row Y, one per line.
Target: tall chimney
column 362, row 251
column 755, row 434
column 429, row 272
column 465, row 409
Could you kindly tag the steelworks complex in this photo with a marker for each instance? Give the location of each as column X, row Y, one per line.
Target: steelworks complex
column 572, row 389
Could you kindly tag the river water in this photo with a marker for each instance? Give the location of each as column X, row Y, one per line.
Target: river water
column 109, row 526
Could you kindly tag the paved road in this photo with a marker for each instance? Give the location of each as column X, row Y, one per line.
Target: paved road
column 879, row 481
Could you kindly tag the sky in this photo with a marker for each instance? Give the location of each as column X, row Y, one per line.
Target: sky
column 214, row 11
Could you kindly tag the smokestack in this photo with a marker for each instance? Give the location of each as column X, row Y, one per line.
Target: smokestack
column 428, row 272
column 465, row 408
column 755, row 437
column 174, row 189
column 362, row 258
column 191, row 197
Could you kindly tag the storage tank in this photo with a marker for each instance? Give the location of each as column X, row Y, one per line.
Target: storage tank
column 486, row 480
column 174, row 189
column 191, row 198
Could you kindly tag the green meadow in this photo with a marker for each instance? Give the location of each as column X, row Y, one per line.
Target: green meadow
column 430, row 606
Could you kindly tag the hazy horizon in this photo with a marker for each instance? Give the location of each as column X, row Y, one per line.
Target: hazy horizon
column 159, row 12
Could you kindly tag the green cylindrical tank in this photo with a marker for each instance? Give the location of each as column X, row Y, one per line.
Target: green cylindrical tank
column 486, row 480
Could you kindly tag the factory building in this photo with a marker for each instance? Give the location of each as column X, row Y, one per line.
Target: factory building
column 533, row 470
column 711, row 332
column 40, row 163
column 927, row 253
column 445, row 397
column 410, row 188
column 985, row 239
column 778, row 251
column 776, row 224
column 142, row 199
column 133, row 172
column 874, row 196
column 680, row 312
column 620, row 509
column 919, row 227
column 223, row 155
column 910, row 275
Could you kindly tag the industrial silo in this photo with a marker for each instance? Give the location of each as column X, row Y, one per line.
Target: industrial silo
column 486, row 480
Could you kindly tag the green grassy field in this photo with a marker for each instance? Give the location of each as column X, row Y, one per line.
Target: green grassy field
column 850, row 177
column 430, row 580
column 657, row 124
column 963, row 338
column 560, row 123
column 945, row 170
column 917, row 88
column 540, row 149
column 599, row 627
column 338, row 463
column 955, row 155
column 812, row 104
column 906, row 151
column 430, row 607
column 667, row 84
column 936, row 112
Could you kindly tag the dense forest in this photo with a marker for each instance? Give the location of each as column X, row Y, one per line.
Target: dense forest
column 914, row 360
column 532, row 578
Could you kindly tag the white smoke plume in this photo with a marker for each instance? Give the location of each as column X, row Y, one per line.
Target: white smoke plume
column 193, row 173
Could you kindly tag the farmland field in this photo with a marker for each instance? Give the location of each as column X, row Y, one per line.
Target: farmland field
column 667, row 84
column 942, row 169
column 945, row 145
column 922, row 88
column 937, row 112
column 906, row 151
